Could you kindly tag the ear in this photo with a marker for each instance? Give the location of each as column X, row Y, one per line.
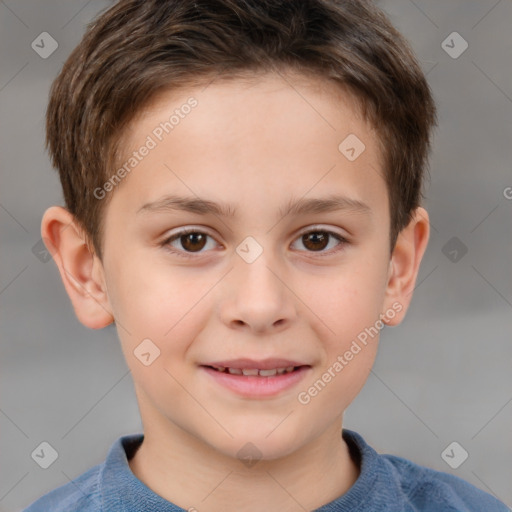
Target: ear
column 80, row 269
column 404, row 266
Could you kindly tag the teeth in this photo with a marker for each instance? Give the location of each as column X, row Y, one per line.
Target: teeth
column 268, row 373
column 254, row 371
column 251, row 371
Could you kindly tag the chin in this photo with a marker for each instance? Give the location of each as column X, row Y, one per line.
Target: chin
column 254, row 443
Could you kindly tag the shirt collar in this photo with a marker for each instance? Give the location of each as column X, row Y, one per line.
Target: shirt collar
column 120, row 489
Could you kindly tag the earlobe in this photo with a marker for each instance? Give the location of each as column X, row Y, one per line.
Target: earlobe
column 81, row 271
column 404, row 265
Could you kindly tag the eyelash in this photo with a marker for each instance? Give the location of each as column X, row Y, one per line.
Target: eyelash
column 165, row 244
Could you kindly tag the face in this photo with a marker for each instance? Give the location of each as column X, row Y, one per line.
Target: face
column 249, row 280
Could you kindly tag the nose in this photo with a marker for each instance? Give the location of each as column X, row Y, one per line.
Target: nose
column 257, row 298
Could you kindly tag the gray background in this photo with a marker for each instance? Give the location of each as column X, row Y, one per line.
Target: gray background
column 443, row 375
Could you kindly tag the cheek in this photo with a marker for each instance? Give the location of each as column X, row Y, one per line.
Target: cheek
column 153, row 296
column 161, row 311
column 351, row 312
column 155, row 303
column 350, row 307
column 350, row 301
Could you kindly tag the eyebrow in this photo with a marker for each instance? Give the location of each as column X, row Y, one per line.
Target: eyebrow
column 301, row 206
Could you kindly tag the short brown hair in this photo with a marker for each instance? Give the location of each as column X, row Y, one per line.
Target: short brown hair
column 138, row 48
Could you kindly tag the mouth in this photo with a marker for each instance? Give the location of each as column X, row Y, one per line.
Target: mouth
column 246, row 372
column 256, row 382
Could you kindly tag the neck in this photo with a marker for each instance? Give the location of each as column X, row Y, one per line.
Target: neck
column 193, row 475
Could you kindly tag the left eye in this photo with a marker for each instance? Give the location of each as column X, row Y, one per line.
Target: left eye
column 318, row 240
column 193, row 241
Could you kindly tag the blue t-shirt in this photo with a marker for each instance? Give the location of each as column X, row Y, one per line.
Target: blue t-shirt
column 386, row 484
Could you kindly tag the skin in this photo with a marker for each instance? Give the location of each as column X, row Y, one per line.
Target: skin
column 256, row 145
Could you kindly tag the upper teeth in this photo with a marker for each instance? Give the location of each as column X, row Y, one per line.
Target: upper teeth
column 255, row 371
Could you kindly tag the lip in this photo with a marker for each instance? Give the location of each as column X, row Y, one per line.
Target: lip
column 264, row 364
column 251, row 386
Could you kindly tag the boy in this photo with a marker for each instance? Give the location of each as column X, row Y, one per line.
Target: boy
column 288, row 140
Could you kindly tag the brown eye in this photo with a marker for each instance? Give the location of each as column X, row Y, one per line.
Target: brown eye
column 316, row 240
column 187, row 242
column 193, row 241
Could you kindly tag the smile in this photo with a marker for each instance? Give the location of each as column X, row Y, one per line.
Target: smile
column 256, row 383
column 254, row 371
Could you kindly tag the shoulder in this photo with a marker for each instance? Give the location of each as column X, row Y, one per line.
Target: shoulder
column 99, row 489
column 428, row 489
column 412, row 487
column 80, row 495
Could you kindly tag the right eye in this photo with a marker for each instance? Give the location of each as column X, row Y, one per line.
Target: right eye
column 191, row 240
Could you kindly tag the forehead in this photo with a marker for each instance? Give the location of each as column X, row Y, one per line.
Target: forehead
column 260, row 102
column 253, row 136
